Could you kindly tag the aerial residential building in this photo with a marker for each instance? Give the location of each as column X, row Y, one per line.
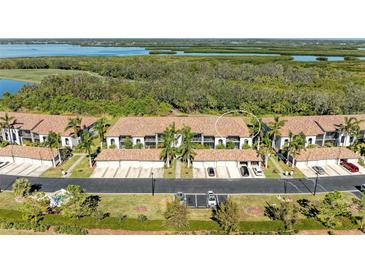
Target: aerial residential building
column 209, row 131
column 35, row 128
column 318, row 130
column 38, row 156
column 322, row 156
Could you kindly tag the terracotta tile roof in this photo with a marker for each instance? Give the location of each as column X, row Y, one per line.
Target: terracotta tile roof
column 326, row 153
column 43, row 123
column 226, row 155
column 142, row 126
column 313, row 125
column 129, row 155
column 297, row 124
column 38, row 153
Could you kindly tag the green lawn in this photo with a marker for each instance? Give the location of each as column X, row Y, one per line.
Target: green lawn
column 34, row 75
column 82, row 170
column 271, row 171
column 170, row 173
column 297, row 172
column 251, row 207
column 56, row 171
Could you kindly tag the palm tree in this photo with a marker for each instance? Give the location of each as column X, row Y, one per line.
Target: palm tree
column 168, row 141
column 275, row 127
column 186, row 152
column 8, row 122
column 287, row 146
column 297, row 145
column 257, row 131
column 265, row 149
column 86, row 144
column 21, row 187
column 101, row 127
column 350, row 128
column 53, row 141
column 75, row 125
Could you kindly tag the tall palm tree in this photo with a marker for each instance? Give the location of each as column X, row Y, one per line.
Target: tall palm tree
column 257, row 130
column 101, row 127
column 265, row 149
column 186, row 152
column 75, row 125
column 275, row 127
column 350, row 128
column 297, row 145
column 86, row 144
column 168, row 142
column 8, row 122
column 287, row 146
column 53, row 140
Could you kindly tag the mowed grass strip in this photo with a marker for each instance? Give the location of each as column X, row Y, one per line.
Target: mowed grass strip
column 57, row 171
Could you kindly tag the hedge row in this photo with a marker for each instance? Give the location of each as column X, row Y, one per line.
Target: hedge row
column 65, row 224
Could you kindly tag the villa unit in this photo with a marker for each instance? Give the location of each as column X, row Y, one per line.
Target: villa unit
column 35, row 128
column 323, row 156
column 233, row 158
column 36, row 156
column 209, row 131
column 318, row 130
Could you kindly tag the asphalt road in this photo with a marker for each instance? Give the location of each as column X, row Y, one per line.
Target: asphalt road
column 249, row 186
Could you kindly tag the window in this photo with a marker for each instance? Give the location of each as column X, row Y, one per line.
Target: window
column 342, row 139
column 246, row 142
column 67, row 141
column 310, row 141
column 112, row 142
column 138, row 141
column 286, row 140
column 220, row 141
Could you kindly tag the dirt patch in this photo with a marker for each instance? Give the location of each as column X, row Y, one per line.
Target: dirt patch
column 252, row 211
column 325, row 232
column 140, row 209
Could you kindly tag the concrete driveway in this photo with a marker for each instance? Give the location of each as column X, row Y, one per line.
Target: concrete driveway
column 331, row 170
column 199, row 173
column 23, row 169
column 127, row 172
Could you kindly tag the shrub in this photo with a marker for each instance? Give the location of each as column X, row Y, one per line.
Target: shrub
column 176, row 214
column 227, row 216
column 21, row 187
column 142, row 218
column 72, row 230
column 246, row 146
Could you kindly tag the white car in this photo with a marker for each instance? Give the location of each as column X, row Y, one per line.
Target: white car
column 211, row 199
column 257, row 170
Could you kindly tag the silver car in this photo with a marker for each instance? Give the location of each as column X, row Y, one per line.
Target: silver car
column 211, row 199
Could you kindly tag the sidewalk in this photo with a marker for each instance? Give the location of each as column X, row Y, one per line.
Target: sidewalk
column 69, row 171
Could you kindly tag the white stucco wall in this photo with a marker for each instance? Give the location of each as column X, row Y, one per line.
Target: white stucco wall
column 72, row 141
column 109, row 141
column 20, row 160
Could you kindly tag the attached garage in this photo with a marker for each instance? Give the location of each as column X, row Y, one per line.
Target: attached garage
column 39, row 156
column 125, row 158
column 233, row 158
column 322, row 156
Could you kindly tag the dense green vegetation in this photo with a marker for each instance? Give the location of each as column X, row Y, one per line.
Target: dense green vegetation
column 156, row 85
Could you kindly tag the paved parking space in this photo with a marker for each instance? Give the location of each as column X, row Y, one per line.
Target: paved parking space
column 199, row 173
column 222, row 172
column 234, row 172
column 23, row 169
column 121, row 172
column 331, row 170
column 200, row 200
column 127, row 172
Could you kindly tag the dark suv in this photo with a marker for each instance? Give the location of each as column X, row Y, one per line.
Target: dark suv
column 211, row 172
column 244, row 171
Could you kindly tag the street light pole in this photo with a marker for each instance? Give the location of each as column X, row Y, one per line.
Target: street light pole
column 153, row 185
column 315, row 185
